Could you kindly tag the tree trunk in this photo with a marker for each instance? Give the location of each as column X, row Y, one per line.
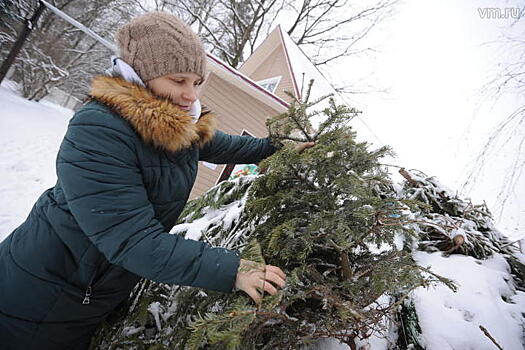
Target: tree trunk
column 28, row 27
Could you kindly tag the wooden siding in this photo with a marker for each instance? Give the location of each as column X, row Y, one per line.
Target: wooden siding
column 269, row 60
column 275, row 65
column 261, row 53
column 236, row 111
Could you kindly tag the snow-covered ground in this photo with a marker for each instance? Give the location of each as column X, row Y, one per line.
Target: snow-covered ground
column 30, row 135
column 484, row 297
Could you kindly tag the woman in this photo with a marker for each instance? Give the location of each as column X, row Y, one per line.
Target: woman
column 125, row 169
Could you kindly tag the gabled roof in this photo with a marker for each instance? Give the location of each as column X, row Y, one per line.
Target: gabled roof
column 297, row 67
column 300, row 70
column 271, row 48
column 304, row 70
column 224, row 71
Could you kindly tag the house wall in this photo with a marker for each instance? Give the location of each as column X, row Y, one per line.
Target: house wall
column 275, row 64
column 236, row 111
column 260, row 54
column 269, row 60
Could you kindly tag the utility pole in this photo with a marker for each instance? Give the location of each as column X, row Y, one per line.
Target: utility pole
column 29, row 24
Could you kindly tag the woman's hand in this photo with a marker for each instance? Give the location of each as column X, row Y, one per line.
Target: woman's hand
column 255, row 279
column 302, row 146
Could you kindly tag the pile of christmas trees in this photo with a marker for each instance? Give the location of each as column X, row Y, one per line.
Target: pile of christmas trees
column 334, row 221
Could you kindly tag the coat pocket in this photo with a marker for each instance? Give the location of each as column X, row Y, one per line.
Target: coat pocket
column 113, row 282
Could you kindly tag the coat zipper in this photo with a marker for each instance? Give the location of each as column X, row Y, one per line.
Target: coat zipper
column 89, row 291
column 87, row 296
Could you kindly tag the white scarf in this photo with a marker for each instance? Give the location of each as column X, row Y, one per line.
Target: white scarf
column 125, row 71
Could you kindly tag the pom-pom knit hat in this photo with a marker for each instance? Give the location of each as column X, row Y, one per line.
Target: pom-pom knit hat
column 158, row 43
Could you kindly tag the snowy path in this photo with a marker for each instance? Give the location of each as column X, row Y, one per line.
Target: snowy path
column 30, row 135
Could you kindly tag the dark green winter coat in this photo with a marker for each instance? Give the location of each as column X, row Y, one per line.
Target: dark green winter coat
column 125, row 170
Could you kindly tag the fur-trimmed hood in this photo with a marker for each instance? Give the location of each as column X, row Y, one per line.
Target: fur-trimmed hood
column 156, row 120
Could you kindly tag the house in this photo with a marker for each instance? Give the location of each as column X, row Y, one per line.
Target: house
column 241, row 106
column 243, row 99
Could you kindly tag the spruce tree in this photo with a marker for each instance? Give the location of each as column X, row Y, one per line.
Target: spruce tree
column 329, row 217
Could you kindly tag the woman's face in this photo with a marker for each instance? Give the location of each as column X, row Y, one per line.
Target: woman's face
column 181, row 88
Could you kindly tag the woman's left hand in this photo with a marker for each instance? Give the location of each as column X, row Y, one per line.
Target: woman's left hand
column 302, row 146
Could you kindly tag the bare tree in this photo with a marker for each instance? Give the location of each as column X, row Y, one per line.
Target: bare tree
column 59, row 55
column 16, row 10
column 509, row 79
column 326, row 29
column 331, row 29
column 230, row 28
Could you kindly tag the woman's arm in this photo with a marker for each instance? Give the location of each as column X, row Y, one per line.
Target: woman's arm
column 98, row 171
column 224, row 148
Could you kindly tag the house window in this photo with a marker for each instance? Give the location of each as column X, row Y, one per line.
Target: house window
column 270, row 84
column 232, row 171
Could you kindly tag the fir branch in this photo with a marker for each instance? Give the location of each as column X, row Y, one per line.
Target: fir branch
column 303, row 179
column 300, row 126
column 338, row 112
column 290, row 138
column 308, row 91
column 446, row 281
column 486, row 332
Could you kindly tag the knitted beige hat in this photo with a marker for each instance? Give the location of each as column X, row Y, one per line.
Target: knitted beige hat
column 158, row 43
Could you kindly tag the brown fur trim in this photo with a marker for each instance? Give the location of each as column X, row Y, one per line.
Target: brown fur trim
column 206, row 128
column 156, row 120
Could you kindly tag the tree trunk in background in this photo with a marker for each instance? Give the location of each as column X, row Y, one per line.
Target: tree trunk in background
column 28, row 27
